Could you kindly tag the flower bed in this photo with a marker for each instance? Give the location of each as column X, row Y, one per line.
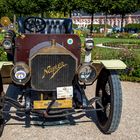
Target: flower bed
column 129, row 45
column 130, row 57
column 124, row 35
column 99, row 35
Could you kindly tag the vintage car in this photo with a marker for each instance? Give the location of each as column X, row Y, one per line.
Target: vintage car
column 44, row 61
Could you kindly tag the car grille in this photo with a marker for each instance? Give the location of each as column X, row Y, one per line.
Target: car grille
column 51, row 71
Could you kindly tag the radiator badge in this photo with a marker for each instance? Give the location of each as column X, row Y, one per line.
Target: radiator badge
column 53, row 69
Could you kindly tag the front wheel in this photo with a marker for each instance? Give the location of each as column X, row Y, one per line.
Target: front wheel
column 1, row 107
column 1, row 126
column 108, row 88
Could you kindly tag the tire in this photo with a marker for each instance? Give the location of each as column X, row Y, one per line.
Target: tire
column 1, row 117
column 1, row 108
column 1, row 126
column 108, row 88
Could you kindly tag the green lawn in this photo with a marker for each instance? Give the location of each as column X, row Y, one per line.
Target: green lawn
column 104, row 40
column 111, row 53
column 130, row 57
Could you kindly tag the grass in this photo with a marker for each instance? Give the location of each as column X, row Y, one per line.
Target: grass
column 131, row 57
column 104, row 40
column 105, row 53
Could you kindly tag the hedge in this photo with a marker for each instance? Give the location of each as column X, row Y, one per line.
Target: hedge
column 74, row 26
column 129, row 56
column 99, row 26
column 132, row 27
column 3, row 56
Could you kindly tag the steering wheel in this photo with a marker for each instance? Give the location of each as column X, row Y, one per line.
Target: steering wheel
column 34, row 24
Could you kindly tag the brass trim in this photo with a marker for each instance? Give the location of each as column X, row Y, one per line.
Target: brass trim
column 55, row 50
column 43, row 104
column 52, row 50
column 87, row 64
column 54, row 69
column 27, row 68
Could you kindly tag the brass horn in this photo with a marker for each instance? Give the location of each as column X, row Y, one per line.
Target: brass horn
column 5, row 21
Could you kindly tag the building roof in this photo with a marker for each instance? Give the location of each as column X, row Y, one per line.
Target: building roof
column 136, row 13
column 81, row 13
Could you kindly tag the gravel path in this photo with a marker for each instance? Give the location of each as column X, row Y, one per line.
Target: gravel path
column 85, row 129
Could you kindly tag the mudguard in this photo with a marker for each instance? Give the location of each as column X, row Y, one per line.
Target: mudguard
column 5, row 69
column 4, row 63
column 111, row 64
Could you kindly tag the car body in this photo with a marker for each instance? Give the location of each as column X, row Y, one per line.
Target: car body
column 44, row 61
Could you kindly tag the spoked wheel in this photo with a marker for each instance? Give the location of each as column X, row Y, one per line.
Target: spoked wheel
column 108, row 88
column 1, row 116
column 1, row 108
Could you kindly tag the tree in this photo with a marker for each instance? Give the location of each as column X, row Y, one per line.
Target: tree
column 66, row 6
column 123, row 7
column 21, row 6
column 75, row 5
column 42, row 6
column 3, row 10
column 90, row 7
column 105, row 6
column 60, row 6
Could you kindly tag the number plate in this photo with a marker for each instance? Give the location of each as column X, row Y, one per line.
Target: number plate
column 43, row 104
column 64, row 92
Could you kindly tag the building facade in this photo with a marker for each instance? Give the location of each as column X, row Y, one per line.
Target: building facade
column 83, row 20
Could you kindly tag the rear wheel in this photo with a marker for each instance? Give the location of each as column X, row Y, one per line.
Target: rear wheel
column 108, row 88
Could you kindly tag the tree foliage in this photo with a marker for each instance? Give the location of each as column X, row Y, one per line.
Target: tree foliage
column 20, row 6
column 90, row 7
column 3, row 10
column 43, row 6
column 66, row 6
column 28, row 7
column 123, row 7
column 105, row 6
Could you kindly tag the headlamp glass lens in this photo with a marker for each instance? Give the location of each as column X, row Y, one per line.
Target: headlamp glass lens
column 89, row 45
column 20, row 75
column 87, row 74
column 7, row 44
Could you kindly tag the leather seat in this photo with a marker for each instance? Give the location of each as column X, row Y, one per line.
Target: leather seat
column 53, row 26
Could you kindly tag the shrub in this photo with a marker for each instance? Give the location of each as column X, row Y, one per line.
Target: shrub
column 98, row 35
column 134, row 36
column 132, row 27
column 129, row 56
column 123, row 35
column 97, row 27
column 3, row 56
column 132, row 60
column 1, row 37
column 74, row 26
column 125, row 45
column 81, row 33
